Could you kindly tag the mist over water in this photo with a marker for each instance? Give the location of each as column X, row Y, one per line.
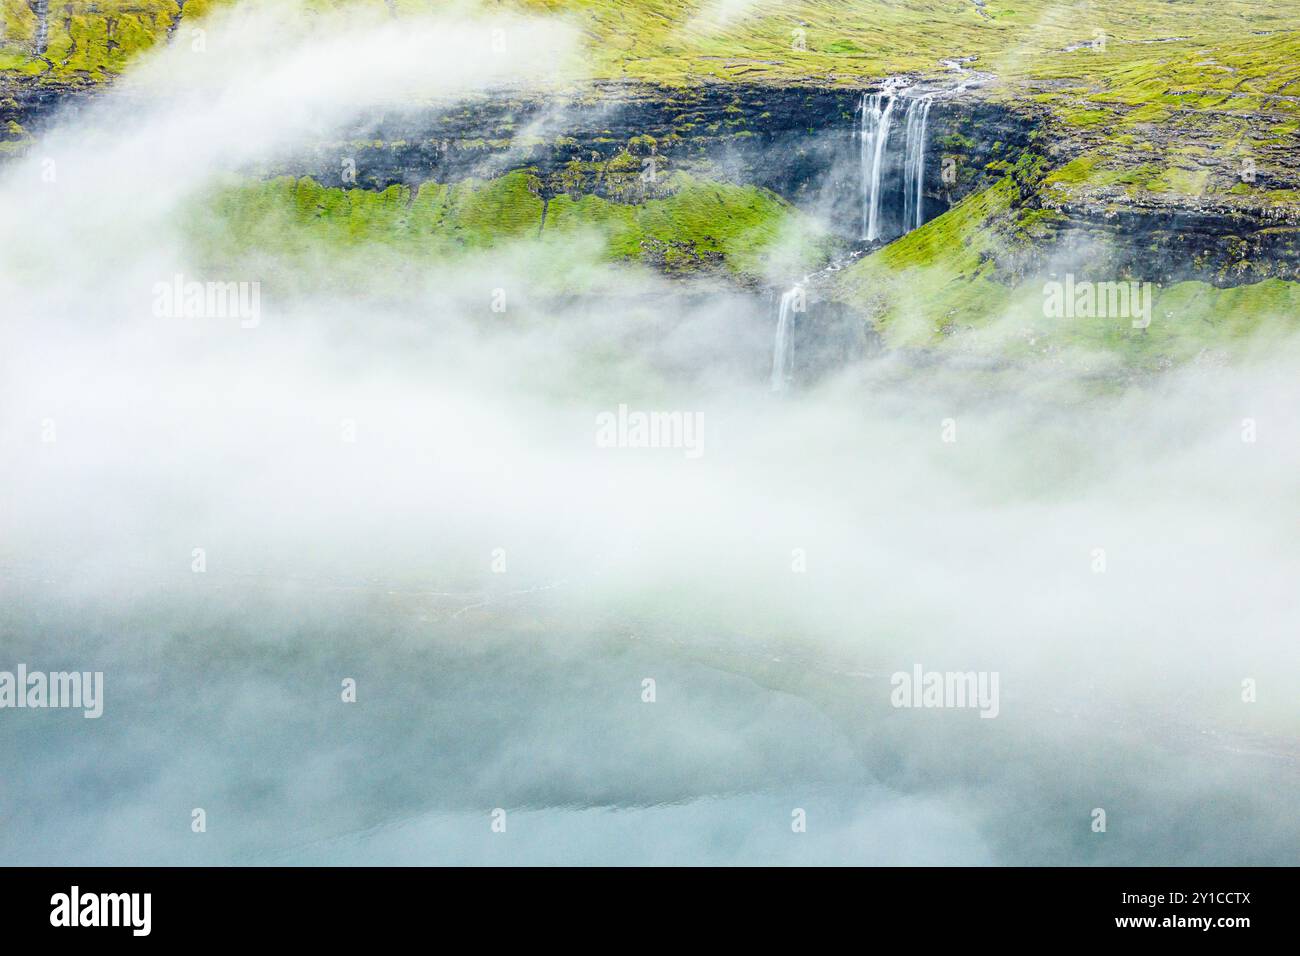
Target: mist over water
column 394, row 484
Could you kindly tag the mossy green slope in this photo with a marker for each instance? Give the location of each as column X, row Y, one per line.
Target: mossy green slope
column 695, row 227
column 955, row 283
column 796, row 40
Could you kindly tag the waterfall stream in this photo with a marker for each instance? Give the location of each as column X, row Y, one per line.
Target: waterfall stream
column 875, row 119
column 918, row 115
column 876, row 114
column 792, row 301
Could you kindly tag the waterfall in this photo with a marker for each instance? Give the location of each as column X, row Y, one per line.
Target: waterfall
column 791, row 302
column 918, row 114
column 876, row 112
column 875, row 118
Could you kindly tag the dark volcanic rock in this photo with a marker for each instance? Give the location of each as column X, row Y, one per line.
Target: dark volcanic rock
column 620, row 140
column 33, row 104
column 1222, row 243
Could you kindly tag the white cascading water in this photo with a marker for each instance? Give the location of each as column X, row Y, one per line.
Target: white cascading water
column 918, row 115
column 792, row 301
column 875, row 115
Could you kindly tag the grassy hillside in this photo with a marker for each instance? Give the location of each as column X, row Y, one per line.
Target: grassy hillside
column 793, row 40
column 1156, row 92
column 697, row 227
column 954, row 284
column 1145, row 105
column 1133, row 68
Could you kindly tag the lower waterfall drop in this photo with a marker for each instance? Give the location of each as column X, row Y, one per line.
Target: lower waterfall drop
column 791, row 302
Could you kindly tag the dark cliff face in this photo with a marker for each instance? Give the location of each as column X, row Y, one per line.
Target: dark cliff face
column 623, row 140
column 619, row 140
column 783, row 139
column 1166, row 242
column 31, row 106
column 1185, row 197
